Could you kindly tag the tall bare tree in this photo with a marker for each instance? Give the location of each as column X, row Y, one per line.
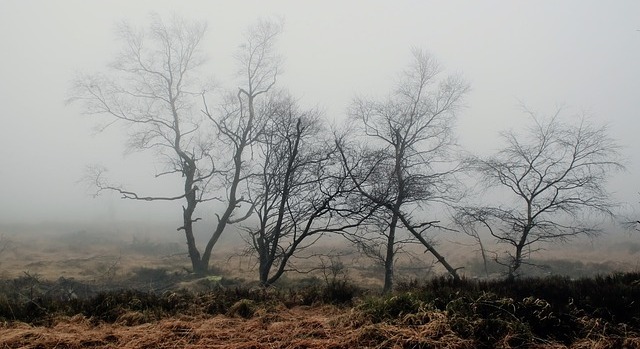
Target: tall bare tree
column 556, row 173
column 240, row 123
column 406, row 162
column 149, row 90
column 153, row 89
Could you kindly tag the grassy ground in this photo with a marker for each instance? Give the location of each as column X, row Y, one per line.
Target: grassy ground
column 530, row 313
column 79, row 290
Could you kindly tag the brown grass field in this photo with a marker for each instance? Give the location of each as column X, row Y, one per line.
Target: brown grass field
column 300, row 327
column 101, row 259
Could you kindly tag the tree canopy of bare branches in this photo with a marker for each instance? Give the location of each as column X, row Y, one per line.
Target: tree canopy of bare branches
column 555, row 172
column 405, row 163
column 152, row 89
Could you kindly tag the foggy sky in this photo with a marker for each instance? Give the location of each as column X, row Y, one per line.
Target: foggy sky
column 584, row 55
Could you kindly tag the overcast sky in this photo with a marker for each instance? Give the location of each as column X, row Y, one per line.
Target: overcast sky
column 584, row 55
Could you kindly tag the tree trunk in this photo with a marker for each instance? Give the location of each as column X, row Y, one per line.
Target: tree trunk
column 263, row 272
column 452, row 271
column 390, row 256
column 517, row 262
column 197, row 264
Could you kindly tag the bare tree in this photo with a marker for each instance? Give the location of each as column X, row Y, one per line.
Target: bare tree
column 295, row 195
column 405, row 164
column 153, row 90
column 240, row 123
column 556, row 173
column 149, row 90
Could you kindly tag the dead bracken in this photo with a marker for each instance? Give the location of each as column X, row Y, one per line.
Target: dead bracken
column 441, row 313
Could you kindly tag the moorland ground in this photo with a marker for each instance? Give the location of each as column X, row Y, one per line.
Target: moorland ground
column 83, row 288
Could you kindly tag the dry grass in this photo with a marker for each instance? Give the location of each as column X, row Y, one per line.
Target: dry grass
column 245, row 324
column 295, row 328
column 83, row 257
column 299, row 327
column 104, row 253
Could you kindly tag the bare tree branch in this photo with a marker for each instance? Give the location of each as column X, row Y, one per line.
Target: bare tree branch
column 558, row 172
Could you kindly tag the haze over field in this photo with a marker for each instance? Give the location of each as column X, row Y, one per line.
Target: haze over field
column 293, row 173
column 583, row 55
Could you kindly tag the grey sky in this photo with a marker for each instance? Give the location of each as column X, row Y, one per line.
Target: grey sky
column 584, row 55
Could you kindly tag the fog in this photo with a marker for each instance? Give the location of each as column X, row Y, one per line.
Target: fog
column 583, row 55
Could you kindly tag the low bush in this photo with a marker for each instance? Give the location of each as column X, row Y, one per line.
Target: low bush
column 340, row 292
column 391, row 307
column 553, row 309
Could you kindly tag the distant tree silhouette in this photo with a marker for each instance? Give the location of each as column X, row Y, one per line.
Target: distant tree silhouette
column 556, row 173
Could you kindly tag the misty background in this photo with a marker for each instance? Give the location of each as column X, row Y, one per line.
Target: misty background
column 582, row 55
